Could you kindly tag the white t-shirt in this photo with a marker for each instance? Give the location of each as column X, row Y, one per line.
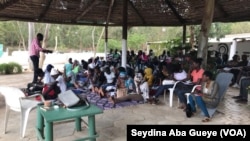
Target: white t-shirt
column 145, row 90
column 110, row 77
column 61, row 83
column 47, row 79
column 180, row 75
column 91, row 65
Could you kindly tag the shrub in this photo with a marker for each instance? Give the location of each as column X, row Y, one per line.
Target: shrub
column 10, row 68
column 3, row 68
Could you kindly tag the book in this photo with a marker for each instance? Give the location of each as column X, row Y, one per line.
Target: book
column 46, row 108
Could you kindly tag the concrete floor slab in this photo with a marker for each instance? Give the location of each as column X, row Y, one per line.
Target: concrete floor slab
column 111, row 125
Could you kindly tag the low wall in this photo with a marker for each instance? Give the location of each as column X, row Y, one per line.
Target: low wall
column 56, row 59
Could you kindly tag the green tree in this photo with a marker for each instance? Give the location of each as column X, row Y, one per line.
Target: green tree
column 78, row 38
column 136, row 41
column 240, row 27
column 217, row 30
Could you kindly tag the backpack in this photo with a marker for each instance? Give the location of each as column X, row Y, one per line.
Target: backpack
column 52, row 94
column 33, row 88
column 189, row 112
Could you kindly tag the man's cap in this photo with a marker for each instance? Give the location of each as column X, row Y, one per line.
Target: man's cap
column 54, row 72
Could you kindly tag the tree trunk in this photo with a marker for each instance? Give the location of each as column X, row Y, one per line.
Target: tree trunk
column 100, row 37
column 205, row 27
column 56, row 40
column 192, row 43
column 21, row 38
column 93, row 41
column 44, row 45
column 80, row 45
column 31, row 36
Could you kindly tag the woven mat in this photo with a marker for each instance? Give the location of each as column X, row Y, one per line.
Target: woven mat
column 105, row 104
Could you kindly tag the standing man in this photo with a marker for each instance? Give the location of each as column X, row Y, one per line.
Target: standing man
column 34, row 51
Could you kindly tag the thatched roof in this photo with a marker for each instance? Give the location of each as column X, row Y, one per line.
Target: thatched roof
column 140, row 12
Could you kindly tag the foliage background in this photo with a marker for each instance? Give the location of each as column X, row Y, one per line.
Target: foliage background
column 14, row 35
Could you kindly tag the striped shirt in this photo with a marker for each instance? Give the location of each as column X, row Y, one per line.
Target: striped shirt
column 35, row 48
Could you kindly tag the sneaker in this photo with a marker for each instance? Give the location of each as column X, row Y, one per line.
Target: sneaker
column 243, row 101
column 236, row 97
column 149, row 100
column 236, row 86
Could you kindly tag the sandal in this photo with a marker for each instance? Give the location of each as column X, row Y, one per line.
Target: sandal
column 206, row 119
column 184, row 109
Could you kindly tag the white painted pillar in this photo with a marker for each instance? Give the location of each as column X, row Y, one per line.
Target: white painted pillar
column 105, row 50
column 232, row 49
column 124, row 34
column 124, row 53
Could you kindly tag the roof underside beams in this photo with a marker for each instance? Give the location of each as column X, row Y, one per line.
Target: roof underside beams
column 109, row 12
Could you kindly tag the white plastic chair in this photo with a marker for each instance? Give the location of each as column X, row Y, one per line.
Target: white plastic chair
column 171, row 93
column 187, row 94
column 16, row 100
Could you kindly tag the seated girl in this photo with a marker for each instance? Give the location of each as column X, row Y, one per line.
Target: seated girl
column 97, row 80
column 206, row 96
column 141, row 95
column 196, row 77
column 179, row 74
column 110, row 78
column 148, row 75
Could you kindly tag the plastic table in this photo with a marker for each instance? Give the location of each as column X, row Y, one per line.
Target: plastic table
column 45, row 119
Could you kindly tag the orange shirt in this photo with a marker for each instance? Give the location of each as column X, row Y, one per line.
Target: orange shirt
column 196, row 75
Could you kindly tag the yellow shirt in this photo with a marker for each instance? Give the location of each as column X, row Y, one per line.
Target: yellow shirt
column 149, row 76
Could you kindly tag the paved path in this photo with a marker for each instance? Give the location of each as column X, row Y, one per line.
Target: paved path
column 111, row 125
